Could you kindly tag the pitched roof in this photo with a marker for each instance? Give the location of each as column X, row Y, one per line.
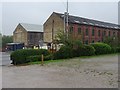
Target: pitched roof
column 32, row 27
column 81, row 20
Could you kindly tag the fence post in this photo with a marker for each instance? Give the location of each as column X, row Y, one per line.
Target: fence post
column 42, row 59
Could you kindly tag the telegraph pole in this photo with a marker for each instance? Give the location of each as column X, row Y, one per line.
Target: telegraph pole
column 67, row 19
column 64, row 23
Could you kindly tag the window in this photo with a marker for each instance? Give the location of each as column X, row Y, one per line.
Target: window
column 104, row 33
column 71, row 29
column 93, row 32
column 93, row 41
column 98, row 40
column 113, row 33
column 109, row 33
column 79, row 30
column 86, row 42
column 99, row 33
column 86, row 31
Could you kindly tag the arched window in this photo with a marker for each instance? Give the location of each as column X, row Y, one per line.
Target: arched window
column 79, row 30
column 86, row 31
column 109, row 34
column 104, row 33
column 86, row 42
column 93, row 41
column 113, row 33
column 99, row 33
column 71, row 29
column 93, row 32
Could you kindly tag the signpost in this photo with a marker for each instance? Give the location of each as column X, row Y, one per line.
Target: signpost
column 42, row 59
column 42, row 56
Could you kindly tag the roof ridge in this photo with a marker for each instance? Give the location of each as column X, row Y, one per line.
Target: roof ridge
column 78, row 19
column 29, row 23
column 32, row 27
column 87, row 18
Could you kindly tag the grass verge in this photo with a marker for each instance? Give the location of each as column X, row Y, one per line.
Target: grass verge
column 62, row 60
column 46, row 62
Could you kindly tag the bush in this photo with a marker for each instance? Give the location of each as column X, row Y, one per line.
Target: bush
column 84, row 50
column 88, row 50
column 101, row 48
column 118, row 49
column 48, row 57
column 38, row 58
column 19, row 56
column 34, row 58
column 113, row 50
column 63, row 53
column 68, row 52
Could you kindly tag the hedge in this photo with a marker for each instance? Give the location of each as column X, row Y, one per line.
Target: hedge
column 88, row 50
column 19, row 56
column 118, row 49
column 84, row 50
column 38, row 58
column 63, row 53
column 68, row 52
column 113, row 50
column 101, row 48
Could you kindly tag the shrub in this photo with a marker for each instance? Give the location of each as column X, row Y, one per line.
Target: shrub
column 83, row 50
column 38, row 58
column 68, row 52
column 118, row 49
column 34, row 58
column 113, row 50
column 88, row 50
column 101, row 48
column 48, row 57
column 19, row 56
column 63, row 53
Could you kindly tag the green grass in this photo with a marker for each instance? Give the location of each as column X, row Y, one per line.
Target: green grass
column 46, row 62
column 99, row 55
column 63, row 60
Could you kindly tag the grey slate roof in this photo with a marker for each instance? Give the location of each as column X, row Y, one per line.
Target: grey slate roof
column 32, row 27
column 80, row 20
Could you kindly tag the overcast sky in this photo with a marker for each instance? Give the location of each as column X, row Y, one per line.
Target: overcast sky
column 14, row 13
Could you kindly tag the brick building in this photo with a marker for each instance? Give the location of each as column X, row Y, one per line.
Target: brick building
column 29, row 34
column 86, row 30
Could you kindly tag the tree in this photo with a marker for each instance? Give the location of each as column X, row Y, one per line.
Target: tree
column 112, row 41
column 0, row 40
column 68, row 41
column 6, row 39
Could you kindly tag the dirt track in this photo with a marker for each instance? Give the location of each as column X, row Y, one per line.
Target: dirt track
column 97, row 72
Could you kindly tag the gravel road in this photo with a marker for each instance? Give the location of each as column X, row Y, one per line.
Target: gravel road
column 95, row 72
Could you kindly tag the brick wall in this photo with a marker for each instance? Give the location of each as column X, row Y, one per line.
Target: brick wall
column 51, row 29
column 96, row 38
